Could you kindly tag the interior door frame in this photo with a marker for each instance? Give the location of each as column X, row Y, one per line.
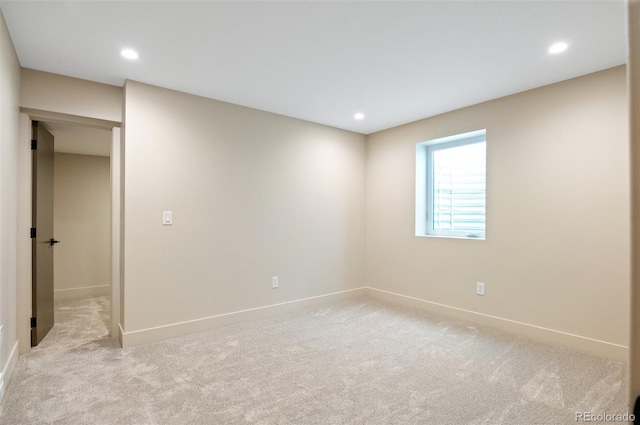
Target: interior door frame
column 24, row 288
column 42, row 251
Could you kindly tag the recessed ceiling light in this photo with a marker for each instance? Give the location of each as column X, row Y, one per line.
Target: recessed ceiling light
column 359, row 116
column 129, row 54
column 558, row 47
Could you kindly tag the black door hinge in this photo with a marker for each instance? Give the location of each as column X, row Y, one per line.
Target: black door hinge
column 34, row 145
column 33, row 233
column 33, row 322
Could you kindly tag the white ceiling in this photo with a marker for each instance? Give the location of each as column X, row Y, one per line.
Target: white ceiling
column 323, row 61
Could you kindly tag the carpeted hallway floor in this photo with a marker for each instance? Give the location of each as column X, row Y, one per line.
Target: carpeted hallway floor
column 353, row 362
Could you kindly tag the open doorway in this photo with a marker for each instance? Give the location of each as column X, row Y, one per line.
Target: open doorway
column 81, row 182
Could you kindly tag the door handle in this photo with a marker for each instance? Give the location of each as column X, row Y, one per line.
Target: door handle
column 52, row 242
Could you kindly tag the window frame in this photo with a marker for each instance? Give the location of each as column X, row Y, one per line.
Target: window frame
column 424, row 184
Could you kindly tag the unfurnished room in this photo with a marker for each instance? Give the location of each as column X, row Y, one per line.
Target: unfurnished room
column 319, row 212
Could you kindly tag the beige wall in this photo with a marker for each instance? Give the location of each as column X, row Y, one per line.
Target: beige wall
column 556, row 253
column 82, row 218
column 634, row 114
column 253, row 195
column 42, row 91
column 23, row 290
column 9, row 118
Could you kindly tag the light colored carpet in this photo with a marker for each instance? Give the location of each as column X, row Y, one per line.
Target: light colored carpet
column 354, row 362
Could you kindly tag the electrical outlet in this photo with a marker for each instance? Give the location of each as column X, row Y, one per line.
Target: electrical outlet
column 479, row 288
column 274, row 282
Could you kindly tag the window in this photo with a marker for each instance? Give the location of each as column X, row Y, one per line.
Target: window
column 451, row 186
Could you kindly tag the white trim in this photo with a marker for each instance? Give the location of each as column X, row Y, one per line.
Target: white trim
column 9, row 367
column 452, row 237
column 23, row 308
column 115, row 165
column 592, row 346
column 59, row 117
column 424, row 184
column 551, row 336
column 84, row 292
column 120, row 333
column 23, row 284
column 421, row 190
column 159, row 333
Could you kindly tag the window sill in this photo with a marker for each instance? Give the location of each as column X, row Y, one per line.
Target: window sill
column 451, row 237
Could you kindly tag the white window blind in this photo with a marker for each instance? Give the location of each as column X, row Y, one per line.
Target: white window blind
column 456, row 187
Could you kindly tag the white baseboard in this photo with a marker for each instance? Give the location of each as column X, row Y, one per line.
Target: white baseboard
column 145, row 336
column 589, row 345
column 592, row 346
column 84, row 292
column 9, row 367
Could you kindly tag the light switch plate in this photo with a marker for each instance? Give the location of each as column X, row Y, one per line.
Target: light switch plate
column 167, row 218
